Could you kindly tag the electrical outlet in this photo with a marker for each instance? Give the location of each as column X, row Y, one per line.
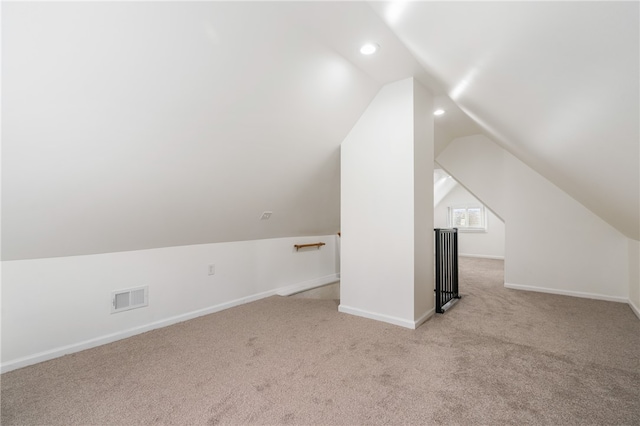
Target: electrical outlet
column 212, row 269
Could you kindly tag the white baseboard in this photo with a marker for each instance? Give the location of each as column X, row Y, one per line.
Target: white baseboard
column 481, row 256
column 431, row 312
column 308, row 285
column 634, row 308
column 385, row 318
column 109, row 338
column 567, row 293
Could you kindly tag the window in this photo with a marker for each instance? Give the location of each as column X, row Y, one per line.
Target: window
column 468, row 218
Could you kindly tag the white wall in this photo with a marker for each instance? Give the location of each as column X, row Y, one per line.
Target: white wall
column 423, row 195
column 634, row 276
column 55, row 306
column 125, row 122
column 442, row 185
column 488, row 244
column 379, row 201
column 553, row 243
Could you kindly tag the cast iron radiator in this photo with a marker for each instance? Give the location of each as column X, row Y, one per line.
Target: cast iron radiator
column 446, row 268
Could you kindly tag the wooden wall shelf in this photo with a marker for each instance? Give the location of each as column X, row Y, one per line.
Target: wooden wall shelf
column 299, row 246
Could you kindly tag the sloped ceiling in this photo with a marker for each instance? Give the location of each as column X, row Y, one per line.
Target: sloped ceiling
column 137, row 125
column 443, row 184
column 556, row 83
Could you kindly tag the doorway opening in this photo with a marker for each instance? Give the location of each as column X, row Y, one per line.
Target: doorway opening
column 481, row 233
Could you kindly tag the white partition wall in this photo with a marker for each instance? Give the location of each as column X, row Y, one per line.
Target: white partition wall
column 634, row 276
column 553, row 243
column 387, row 208
column 423, row 155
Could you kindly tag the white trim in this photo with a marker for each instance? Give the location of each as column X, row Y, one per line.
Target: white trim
column 634, row 308
column 567, row 293
column 466, row 207
column 378, row 317
column 431, row 312
column 308, row 285
column 109, row 338
column 482, row 256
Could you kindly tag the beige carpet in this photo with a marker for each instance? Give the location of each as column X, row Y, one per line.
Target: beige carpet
column 498, row 357
column 330, row 291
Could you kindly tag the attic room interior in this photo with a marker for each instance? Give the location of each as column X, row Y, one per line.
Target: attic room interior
column 210, row 159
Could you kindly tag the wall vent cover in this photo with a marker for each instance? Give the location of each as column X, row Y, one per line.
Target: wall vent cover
column 124, row 300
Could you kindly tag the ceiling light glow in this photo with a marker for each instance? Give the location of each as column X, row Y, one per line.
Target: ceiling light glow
column 394, row 11
column 438, row 112
column 464, row 83
column 369, row 49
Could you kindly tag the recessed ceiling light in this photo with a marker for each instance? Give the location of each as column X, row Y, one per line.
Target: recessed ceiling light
column 369, row 49
column 438, row 112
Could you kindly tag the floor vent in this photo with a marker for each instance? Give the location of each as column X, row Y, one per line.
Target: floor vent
column 132, row 298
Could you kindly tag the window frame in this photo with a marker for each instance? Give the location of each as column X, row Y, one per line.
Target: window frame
column 467, row 207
